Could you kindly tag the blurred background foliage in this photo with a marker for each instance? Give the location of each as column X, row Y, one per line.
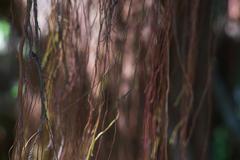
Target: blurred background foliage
column 8, row 78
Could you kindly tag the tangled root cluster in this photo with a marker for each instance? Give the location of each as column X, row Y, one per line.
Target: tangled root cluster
column 114, row 79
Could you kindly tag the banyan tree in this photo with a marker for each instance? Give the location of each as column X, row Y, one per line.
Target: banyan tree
column 114, row 79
